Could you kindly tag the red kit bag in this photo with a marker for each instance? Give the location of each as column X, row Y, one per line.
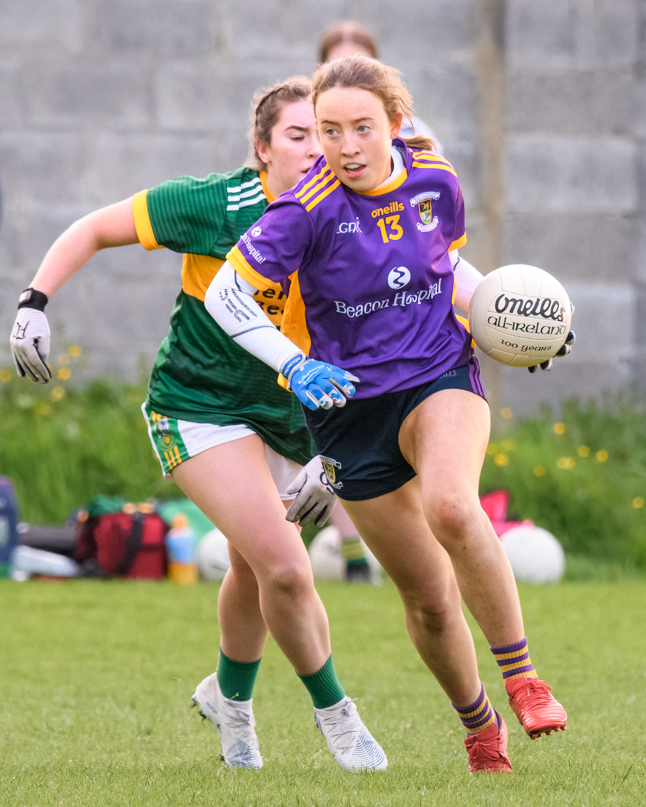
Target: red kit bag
column 126, row 543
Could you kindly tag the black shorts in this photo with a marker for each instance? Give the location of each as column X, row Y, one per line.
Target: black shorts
column 359, row 443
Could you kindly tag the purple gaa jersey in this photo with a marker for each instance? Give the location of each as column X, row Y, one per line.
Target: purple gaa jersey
column 369, row 274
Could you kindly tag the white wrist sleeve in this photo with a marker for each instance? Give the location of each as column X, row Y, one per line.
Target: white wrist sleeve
column 467, row 278
column 229, row 300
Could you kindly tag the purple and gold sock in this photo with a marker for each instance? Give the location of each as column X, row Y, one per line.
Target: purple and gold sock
column 514, row 660
column 479, row 715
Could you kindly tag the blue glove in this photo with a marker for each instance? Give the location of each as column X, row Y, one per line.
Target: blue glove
column 317, row 384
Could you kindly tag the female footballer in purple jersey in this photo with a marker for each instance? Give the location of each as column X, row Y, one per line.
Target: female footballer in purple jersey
column 229, row 472
column 367, row 243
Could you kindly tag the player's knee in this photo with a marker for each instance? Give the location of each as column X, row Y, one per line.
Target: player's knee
column 436, row 612
column 290, row 577
column 450, row 517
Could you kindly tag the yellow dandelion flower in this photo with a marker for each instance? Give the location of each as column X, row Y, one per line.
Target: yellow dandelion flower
column 602, row 455
column 58, row 393
column 539, row 470
column 501, row 459
column 638, row 502
column 44, row 409
column 507, row 413
column 74, row 351
column 566, row 463
column 5, row 376
column 583, row 451
column 64, row 374
column 492, row 449
column 560, row 428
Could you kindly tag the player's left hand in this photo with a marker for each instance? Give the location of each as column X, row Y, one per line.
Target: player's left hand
column 30, row 344
column 315, row 498
column 567, row 348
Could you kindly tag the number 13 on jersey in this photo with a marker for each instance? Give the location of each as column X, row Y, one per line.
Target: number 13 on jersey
column 390, row 229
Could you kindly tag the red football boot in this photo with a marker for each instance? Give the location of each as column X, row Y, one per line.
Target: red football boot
column 488, row 749
column 538, row 711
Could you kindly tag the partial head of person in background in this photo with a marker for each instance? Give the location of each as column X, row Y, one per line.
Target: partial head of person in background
column 283, row 139
column 356, row 81
column 349, row 38
column 346, row 38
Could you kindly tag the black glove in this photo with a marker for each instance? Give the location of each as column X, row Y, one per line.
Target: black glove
column 567, row 348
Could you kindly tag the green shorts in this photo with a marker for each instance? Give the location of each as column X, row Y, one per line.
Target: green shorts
column 176, row 440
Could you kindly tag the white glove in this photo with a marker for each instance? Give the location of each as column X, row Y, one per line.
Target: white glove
column 316, row 498
column 30, row 344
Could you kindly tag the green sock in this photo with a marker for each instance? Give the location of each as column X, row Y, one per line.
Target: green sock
column 236, row 678
column 352, row 552
column 324, row 686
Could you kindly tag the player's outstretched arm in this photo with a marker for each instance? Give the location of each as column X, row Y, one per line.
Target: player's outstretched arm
column 111, row 226
column 229, row 300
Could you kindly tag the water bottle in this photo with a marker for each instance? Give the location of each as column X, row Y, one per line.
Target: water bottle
column 180, row 548
column 8, row 523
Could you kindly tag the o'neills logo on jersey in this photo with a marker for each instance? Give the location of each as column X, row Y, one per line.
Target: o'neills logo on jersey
column 544, row 307
column 402, row 299
column 393, row 207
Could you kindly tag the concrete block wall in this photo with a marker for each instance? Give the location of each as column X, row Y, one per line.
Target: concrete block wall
column 102, row 98
column 573, row 181
column 540, row 106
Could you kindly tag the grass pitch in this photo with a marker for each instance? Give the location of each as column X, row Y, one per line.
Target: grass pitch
column 96, row 680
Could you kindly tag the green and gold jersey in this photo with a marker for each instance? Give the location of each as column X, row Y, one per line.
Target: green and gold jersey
column 200, row 373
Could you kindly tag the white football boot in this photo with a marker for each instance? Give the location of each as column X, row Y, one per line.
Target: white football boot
column 234, row 721
column 353, row 746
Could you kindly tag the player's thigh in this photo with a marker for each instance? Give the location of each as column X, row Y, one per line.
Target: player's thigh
column 232, row 485
column 445, row 439
column 397, row 532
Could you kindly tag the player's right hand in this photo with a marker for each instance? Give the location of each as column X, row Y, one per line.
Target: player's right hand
column 30, row 344
column 317, row 384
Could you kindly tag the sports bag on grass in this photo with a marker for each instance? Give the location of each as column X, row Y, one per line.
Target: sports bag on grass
column 121, row 539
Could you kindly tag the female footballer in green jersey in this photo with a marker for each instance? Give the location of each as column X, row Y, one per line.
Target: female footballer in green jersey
column 223, row 429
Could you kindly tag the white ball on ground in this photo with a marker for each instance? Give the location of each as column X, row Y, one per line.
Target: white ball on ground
column 327, row 559
column 536, row 556
column 520, row 315
column 213, row 556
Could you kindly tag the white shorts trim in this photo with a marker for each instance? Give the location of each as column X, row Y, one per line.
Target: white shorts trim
column 199, row 437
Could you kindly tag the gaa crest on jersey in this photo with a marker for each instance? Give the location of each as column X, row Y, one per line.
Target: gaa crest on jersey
column 425, row 210
column 330, row 466
column 424, row 203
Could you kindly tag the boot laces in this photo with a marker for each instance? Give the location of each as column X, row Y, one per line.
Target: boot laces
column 536, row 691
column 343, row 726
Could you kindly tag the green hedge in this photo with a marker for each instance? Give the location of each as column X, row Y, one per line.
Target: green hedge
column 582, row 476
column 63, row 445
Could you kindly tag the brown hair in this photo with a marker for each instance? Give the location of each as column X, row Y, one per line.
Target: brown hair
column 343, row 32
column 368, row 74
column 265, row 111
